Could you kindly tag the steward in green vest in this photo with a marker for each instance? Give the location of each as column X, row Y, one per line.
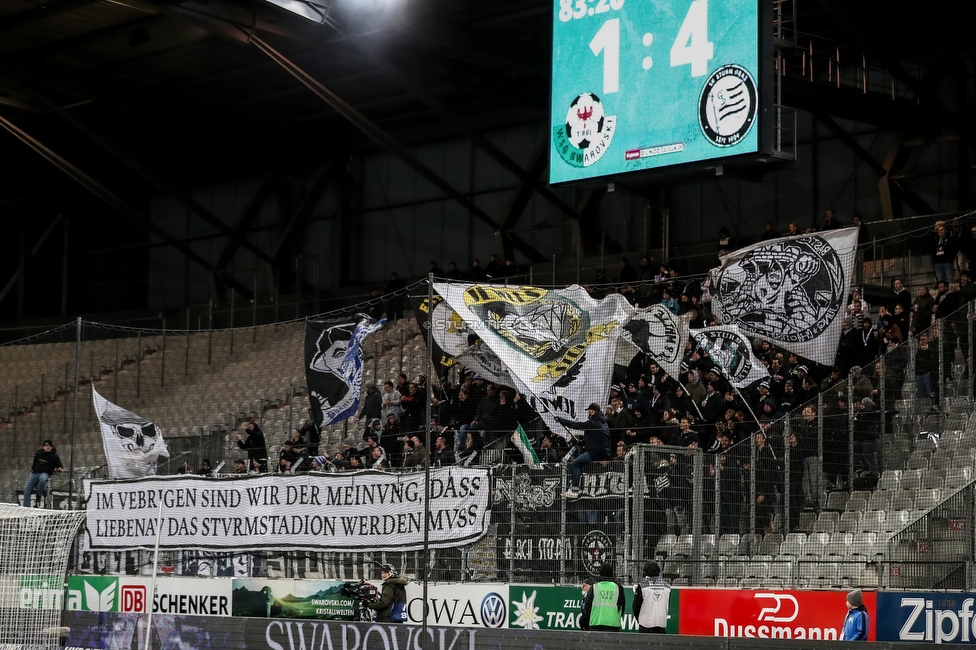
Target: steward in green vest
column 603, row 604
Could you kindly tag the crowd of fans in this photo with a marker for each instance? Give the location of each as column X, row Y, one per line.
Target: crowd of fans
column 698, row 409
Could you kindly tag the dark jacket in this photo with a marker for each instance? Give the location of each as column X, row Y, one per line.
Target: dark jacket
column 46, row 462
column 596, row 435
column 394, row 591
column 254, row 444
column 372, row 405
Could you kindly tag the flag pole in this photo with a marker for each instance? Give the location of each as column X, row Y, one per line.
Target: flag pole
column 155, row 571
column 427, row 443
column 74, row 415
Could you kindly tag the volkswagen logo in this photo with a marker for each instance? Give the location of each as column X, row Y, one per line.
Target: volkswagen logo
column 493, row 610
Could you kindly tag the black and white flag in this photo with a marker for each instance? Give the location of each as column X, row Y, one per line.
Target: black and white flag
column 659, row 334
column 558, row 345
column 731, row 352
column 789, row 291
column 454, row 341
column 132, row 443
column 334, row 366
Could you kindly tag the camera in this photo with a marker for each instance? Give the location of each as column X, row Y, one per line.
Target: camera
column 361, row 591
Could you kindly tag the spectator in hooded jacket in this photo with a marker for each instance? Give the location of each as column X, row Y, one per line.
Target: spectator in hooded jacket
column 46, row 462
column 596, row 440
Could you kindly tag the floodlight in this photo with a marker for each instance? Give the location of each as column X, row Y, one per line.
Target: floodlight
column 315, row 10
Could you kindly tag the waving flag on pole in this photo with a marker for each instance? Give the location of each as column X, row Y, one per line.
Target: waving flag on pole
column 659, row 334
column 731, row 352
column 454, row 341
column 334, row 366
column 558, row 345
column 132, row 443
column 789, row 291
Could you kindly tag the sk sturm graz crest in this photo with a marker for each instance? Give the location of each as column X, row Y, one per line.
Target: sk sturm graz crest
column 789, row 290
column 731, row 351
column 586, row 135
column 727, row 107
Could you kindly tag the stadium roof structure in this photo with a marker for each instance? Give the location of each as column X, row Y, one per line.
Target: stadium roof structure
column 124, row 100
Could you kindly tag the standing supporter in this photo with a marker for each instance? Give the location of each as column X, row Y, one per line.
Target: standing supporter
column 867, row 344
column 463, row 414
column 942, row 249
column 764, row 473
column 652, row 596
column 619, row 419
column 901, row 295
column 477, row 273
column 867, row 429
column 604, row 602
column 311, row 434
column 394, row 291
column 806, row 432
column 390, row 400
column 726, row 242
column 830, row 221
column 256, row 447
column 412, row 408
column 374, row 431
column 769, row 233
column 342, row 458
column 372, row 404
column 482, row 413
column 926, row 368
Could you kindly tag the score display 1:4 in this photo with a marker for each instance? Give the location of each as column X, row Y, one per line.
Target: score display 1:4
column 691, row 45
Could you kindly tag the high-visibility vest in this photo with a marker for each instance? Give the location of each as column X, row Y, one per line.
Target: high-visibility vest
column 604, row 612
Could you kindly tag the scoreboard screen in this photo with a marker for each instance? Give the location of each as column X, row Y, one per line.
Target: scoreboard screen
column 644, row 84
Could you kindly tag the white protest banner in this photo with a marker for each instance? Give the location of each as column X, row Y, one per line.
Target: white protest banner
column 355, row 511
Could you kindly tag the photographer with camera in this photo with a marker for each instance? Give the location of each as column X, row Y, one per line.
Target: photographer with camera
column 392, row 605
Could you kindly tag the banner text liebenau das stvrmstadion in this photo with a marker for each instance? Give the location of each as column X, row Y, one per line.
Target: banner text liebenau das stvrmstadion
column 367, row 510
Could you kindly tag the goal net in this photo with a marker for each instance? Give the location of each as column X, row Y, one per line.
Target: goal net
column 35, row 546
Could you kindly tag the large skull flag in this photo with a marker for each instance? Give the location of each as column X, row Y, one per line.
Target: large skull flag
column 132, row 443
column 789, row 291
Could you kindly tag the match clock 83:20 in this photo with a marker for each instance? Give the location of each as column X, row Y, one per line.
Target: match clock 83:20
column 642, row 84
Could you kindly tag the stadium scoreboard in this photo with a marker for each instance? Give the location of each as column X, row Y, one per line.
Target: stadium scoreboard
column 644, row 84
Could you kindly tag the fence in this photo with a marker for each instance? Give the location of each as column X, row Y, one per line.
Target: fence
column 811, row 474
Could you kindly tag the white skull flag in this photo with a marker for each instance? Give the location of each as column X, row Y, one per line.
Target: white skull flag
column 789, row 291
column 334, row 366
column 132, row 443
column 558, row 345
column 731, row 351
